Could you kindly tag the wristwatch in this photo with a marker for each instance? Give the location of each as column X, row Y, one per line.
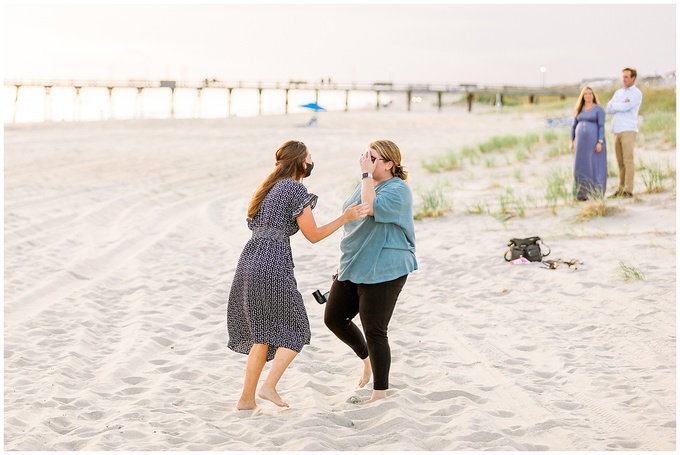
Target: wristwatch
column 366, row 175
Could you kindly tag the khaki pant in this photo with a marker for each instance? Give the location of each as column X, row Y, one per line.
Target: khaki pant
column 623, row 144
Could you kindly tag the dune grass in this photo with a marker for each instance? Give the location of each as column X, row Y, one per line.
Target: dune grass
column 660, row 125
column 595, row 207
column 499, row 143
column 478, row 208
column 558, row 149
column 550, row 136
column 628, row 272
column 653, row 177
column 557, row 184
column 433, row 202
column 450, row 161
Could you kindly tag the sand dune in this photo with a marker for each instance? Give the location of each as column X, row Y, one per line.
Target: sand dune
column 121, row 239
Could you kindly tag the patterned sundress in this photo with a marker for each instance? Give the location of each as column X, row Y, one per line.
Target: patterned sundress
column 265, row 306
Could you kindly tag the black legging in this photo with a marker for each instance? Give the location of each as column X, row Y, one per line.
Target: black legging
column 375, row 304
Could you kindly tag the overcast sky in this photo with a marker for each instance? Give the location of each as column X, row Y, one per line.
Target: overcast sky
column 451, row 43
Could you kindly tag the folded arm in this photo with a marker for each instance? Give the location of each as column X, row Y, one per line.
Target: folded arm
column 631, row 102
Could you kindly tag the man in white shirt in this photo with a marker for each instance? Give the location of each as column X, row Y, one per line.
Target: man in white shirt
column 625, row 105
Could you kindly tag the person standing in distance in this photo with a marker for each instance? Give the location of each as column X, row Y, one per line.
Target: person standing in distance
column 624, row 106
column 589, row 147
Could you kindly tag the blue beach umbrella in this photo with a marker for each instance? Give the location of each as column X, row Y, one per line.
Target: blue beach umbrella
column 316, row 108
column 313, row 106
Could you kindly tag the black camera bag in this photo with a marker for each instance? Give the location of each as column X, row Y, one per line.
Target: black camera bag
column 527, row 248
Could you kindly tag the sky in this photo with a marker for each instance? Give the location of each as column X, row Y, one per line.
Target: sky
column 487, row 44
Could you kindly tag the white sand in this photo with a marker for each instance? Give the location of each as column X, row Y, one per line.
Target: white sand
column 121, row 240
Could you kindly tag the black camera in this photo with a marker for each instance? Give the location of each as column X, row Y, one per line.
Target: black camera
column 321, row 298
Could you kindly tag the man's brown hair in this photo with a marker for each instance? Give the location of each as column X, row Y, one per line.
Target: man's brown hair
column 633, row 72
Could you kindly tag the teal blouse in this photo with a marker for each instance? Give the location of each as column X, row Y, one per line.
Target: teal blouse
column 381, row 247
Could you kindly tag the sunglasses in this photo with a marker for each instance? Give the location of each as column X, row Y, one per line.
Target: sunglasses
column 373, row 159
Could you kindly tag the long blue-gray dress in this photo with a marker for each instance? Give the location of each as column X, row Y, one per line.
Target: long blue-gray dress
column 590, row 167
column 265, row 306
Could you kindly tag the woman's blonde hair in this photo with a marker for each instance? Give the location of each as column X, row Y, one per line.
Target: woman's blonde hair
column 389, row 151
column 290, row 163
column 579, row 103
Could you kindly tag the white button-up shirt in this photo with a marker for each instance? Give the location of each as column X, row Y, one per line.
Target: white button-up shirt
column 625, row 113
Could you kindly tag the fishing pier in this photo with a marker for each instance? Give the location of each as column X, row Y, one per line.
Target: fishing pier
column 409, row 91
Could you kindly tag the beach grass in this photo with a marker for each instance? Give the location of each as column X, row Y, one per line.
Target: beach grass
column 596, row 206
column 471, row 153
column 653, row 177
column 499, row 143
column 521, row 155
column 489, row 161
column 517, row 173
column 519, row 204
column 478, row 208
column 658, row 100
column 557, row 183
column 530, row 140
column 559, row 149
column 511, row 203
column 660, row 125
column 450, row 161
column 550, row 136
column 629, row 272
column 433, row 202
column 523, row 148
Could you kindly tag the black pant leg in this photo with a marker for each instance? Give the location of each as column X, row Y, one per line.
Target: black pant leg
column 376, row 306
column 341, row 308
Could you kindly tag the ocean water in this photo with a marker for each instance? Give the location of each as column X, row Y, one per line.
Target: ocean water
column 94, row 104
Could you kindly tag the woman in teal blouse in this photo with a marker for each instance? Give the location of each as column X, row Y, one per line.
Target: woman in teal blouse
column 378, row 253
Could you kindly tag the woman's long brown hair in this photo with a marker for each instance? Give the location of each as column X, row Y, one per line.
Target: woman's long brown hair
column 290, row 163
column 581, row 101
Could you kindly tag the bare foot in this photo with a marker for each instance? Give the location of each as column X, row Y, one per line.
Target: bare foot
column 246, row 405
column 376, row 396
column 366, row 375
column 269, row 394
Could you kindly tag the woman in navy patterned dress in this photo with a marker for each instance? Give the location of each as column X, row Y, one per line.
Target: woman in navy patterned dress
column 589, row 147
column 266, row 316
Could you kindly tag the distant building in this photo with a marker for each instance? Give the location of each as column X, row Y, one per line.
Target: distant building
column 599, row 82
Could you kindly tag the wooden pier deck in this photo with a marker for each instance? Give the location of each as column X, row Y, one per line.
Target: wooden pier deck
column 470, row 91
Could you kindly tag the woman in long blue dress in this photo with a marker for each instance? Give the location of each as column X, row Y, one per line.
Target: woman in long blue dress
column 589, row 147
column 266, row 316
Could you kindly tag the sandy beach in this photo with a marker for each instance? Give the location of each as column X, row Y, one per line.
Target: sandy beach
column 121, row 240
